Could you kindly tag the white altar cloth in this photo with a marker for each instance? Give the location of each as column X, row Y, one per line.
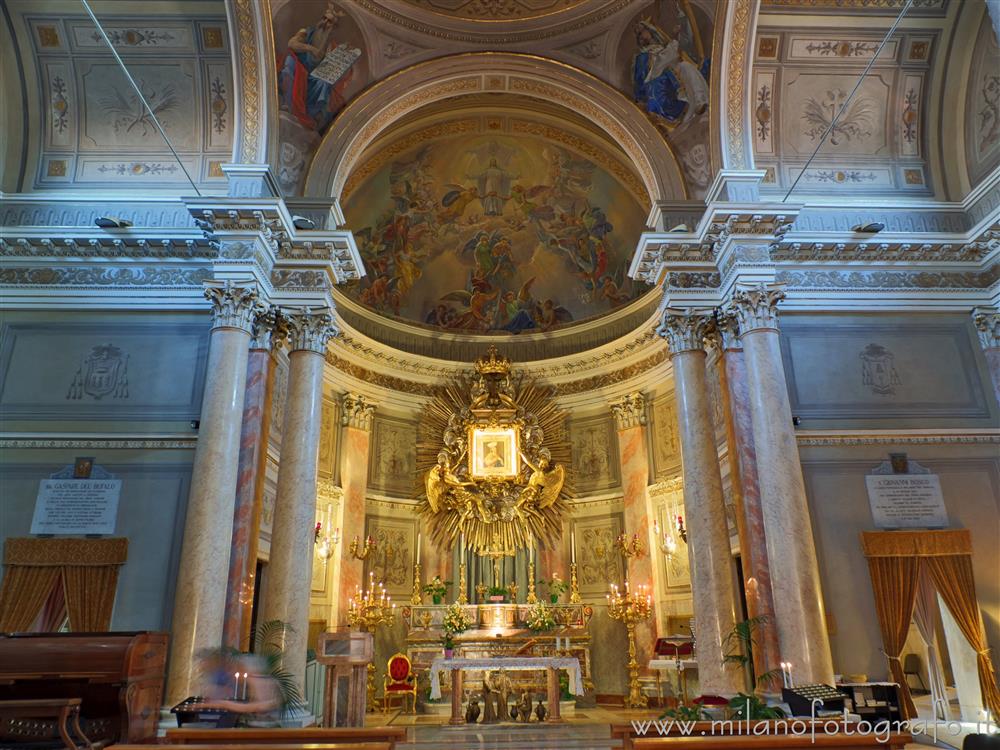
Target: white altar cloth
column 511, row 663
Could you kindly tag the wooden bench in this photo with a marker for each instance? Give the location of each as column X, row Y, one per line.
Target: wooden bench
column 777, row 735
column 64, row 711
column 286, row 736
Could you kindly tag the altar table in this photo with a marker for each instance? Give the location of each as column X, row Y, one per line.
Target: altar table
column 552, row 664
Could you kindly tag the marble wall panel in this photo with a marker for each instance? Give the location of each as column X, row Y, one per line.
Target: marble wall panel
column 392, row 560
column 594, row 446
column 102, row 370
column 393, row 457
column 598, row 562
column 329, row 431
column 886, row 370
column 664, row 440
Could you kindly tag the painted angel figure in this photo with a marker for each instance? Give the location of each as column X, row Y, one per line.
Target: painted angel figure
column 545, row 482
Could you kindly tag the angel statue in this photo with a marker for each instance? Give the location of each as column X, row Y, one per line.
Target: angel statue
column 440, row 480
column 544, row 484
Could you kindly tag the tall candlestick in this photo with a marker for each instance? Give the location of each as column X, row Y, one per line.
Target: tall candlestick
column 572, row 546
column 418, row 548
column 244, row 686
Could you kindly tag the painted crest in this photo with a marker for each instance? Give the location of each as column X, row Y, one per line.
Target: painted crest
column 878, row 371
column 103, row 372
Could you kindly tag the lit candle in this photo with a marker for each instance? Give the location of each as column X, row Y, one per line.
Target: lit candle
column 236, row 687
column 418, row 548
column 244, row 686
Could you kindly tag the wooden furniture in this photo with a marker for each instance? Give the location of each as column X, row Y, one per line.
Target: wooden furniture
column 118, row 678
column 399, row 682
column 17, row 725
column 872, row 701
column 268, row 746
column 791, row 734
column 285, row 736
column 346, row 655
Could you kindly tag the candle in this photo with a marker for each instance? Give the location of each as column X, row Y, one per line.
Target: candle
column 236, row 687
column 572, row 546
column 567, row 643
column 791, row 680
column 461, row 547
column 418, row 547
column 244, row 686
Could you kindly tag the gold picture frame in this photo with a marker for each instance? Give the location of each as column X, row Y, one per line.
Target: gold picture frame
column 494, row 452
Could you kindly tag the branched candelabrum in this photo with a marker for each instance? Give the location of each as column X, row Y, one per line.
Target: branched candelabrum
column 367, row 610
column 629, row 546
column 369, row 546
column 631, row 608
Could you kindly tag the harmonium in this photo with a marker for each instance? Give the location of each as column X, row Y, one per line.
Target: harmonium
column 117, row 676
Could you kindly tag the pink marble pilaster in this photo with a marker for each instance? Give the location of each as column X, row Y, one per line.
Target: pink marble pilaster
column 355, row 446
column 630, row 417
column 756, row 569
column 250, row 485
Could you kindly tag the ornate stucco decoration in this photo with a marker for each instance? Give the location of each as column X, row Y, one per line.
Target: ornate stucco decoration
column 756, row 308
column 309, row 330
column 233, row 305
column 270, row 328
column 357, row 412
column 492, row 458
column 987, row 322
column 629, row 411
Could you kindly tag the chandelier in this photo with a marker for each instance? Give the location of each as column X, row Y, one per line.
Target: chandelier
column 491, row 455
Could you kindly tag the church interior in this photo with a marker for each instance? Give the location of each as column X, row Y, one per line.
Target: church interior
column 444, row 374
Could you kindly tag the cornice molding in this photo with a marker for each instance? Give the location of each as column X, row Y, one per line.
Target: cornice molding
column 928, row 437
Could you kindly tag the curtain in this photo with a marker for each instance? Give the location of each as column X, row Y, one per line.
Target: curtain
column 90, row 597
column 952, row 575
column 894, row 580
column 925, row 616
column 53, row 614
column 23, row 594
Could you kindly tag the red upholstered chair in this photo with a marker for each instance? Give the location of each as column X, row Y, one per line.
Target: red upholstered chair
column 400, row 681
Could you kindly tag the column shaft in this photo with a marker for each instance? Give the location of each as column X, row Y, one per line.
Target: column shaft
column 756, row 569
column 200, row 599
column 791, row 550
column 286, row 593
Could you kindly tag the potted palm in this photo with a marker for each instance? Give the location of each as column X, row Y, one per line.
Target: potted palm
column 497, row 594
column 739, row 644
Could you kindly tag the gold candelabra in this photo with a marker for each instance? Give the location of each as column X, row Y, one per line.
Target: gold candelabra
column 367, row 610
column 531, row 597
column 416, row 598
column 631, row 608
column 574, row 587
column 629, row 547
column 369, row 546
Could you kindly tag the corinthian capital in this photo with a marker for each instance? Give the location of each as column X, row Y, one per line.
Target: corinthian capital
column 356, row 412
column 756, row 308
column 309, row 329
column 685, row 330
column 269, row 329
column 629, row 411
column 233, row 305
column 729, row 329
column 987, row 322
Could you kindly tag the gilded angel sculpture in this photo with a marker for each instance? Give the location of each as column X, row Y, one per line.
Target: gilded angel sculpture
column 544, row 484
column 439, row 480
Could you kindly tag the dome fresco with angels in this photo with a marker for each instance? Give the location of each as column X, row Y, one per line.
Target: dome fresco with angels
column 485, row 233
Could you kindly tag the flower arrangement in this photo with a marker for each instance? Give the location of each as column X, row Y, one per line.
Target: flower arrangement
column 557, row 587
column 540, row 618
column 437, row 589
column 455, row 621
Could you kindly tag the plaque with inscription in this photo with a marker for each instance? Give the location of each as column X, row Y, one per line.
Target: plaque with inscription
column 76, row 506
column 906, row 501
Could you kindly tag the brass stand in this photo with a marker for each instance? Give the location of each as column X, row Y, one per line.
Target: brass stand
column 463, row 598
column 574, row 588
column 531, row 597
column 416, row 598
column 631, row 608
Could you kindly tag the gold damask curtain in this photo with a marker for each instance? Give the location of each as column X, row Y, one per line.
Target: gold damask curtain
column 87, row 569
column 895, row 558
column 894, row 580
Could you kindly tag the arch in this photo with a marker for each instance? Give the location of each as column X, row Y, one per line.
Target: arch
column 375, row 111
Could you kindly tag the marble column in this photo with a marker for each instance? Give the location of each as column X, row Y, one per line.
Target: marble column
column 356, row 417
column 704, row 504
column 268, row 332
column 987, row 322
column 630, row 419
column 791, row 550
column 200, row 598
column 756, row 569
column 286, row 593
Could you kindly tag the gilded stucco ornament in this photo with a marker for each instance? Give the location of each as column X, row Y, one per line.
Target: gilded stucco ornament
column 491, row 455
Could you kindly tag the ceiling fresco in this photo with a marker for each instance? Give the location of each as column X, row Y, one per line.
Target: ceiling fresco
column 488, row 233
column 495, row 9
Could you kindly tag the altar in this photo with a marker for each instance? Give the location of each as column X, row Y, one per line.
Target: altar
column 551, row 665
